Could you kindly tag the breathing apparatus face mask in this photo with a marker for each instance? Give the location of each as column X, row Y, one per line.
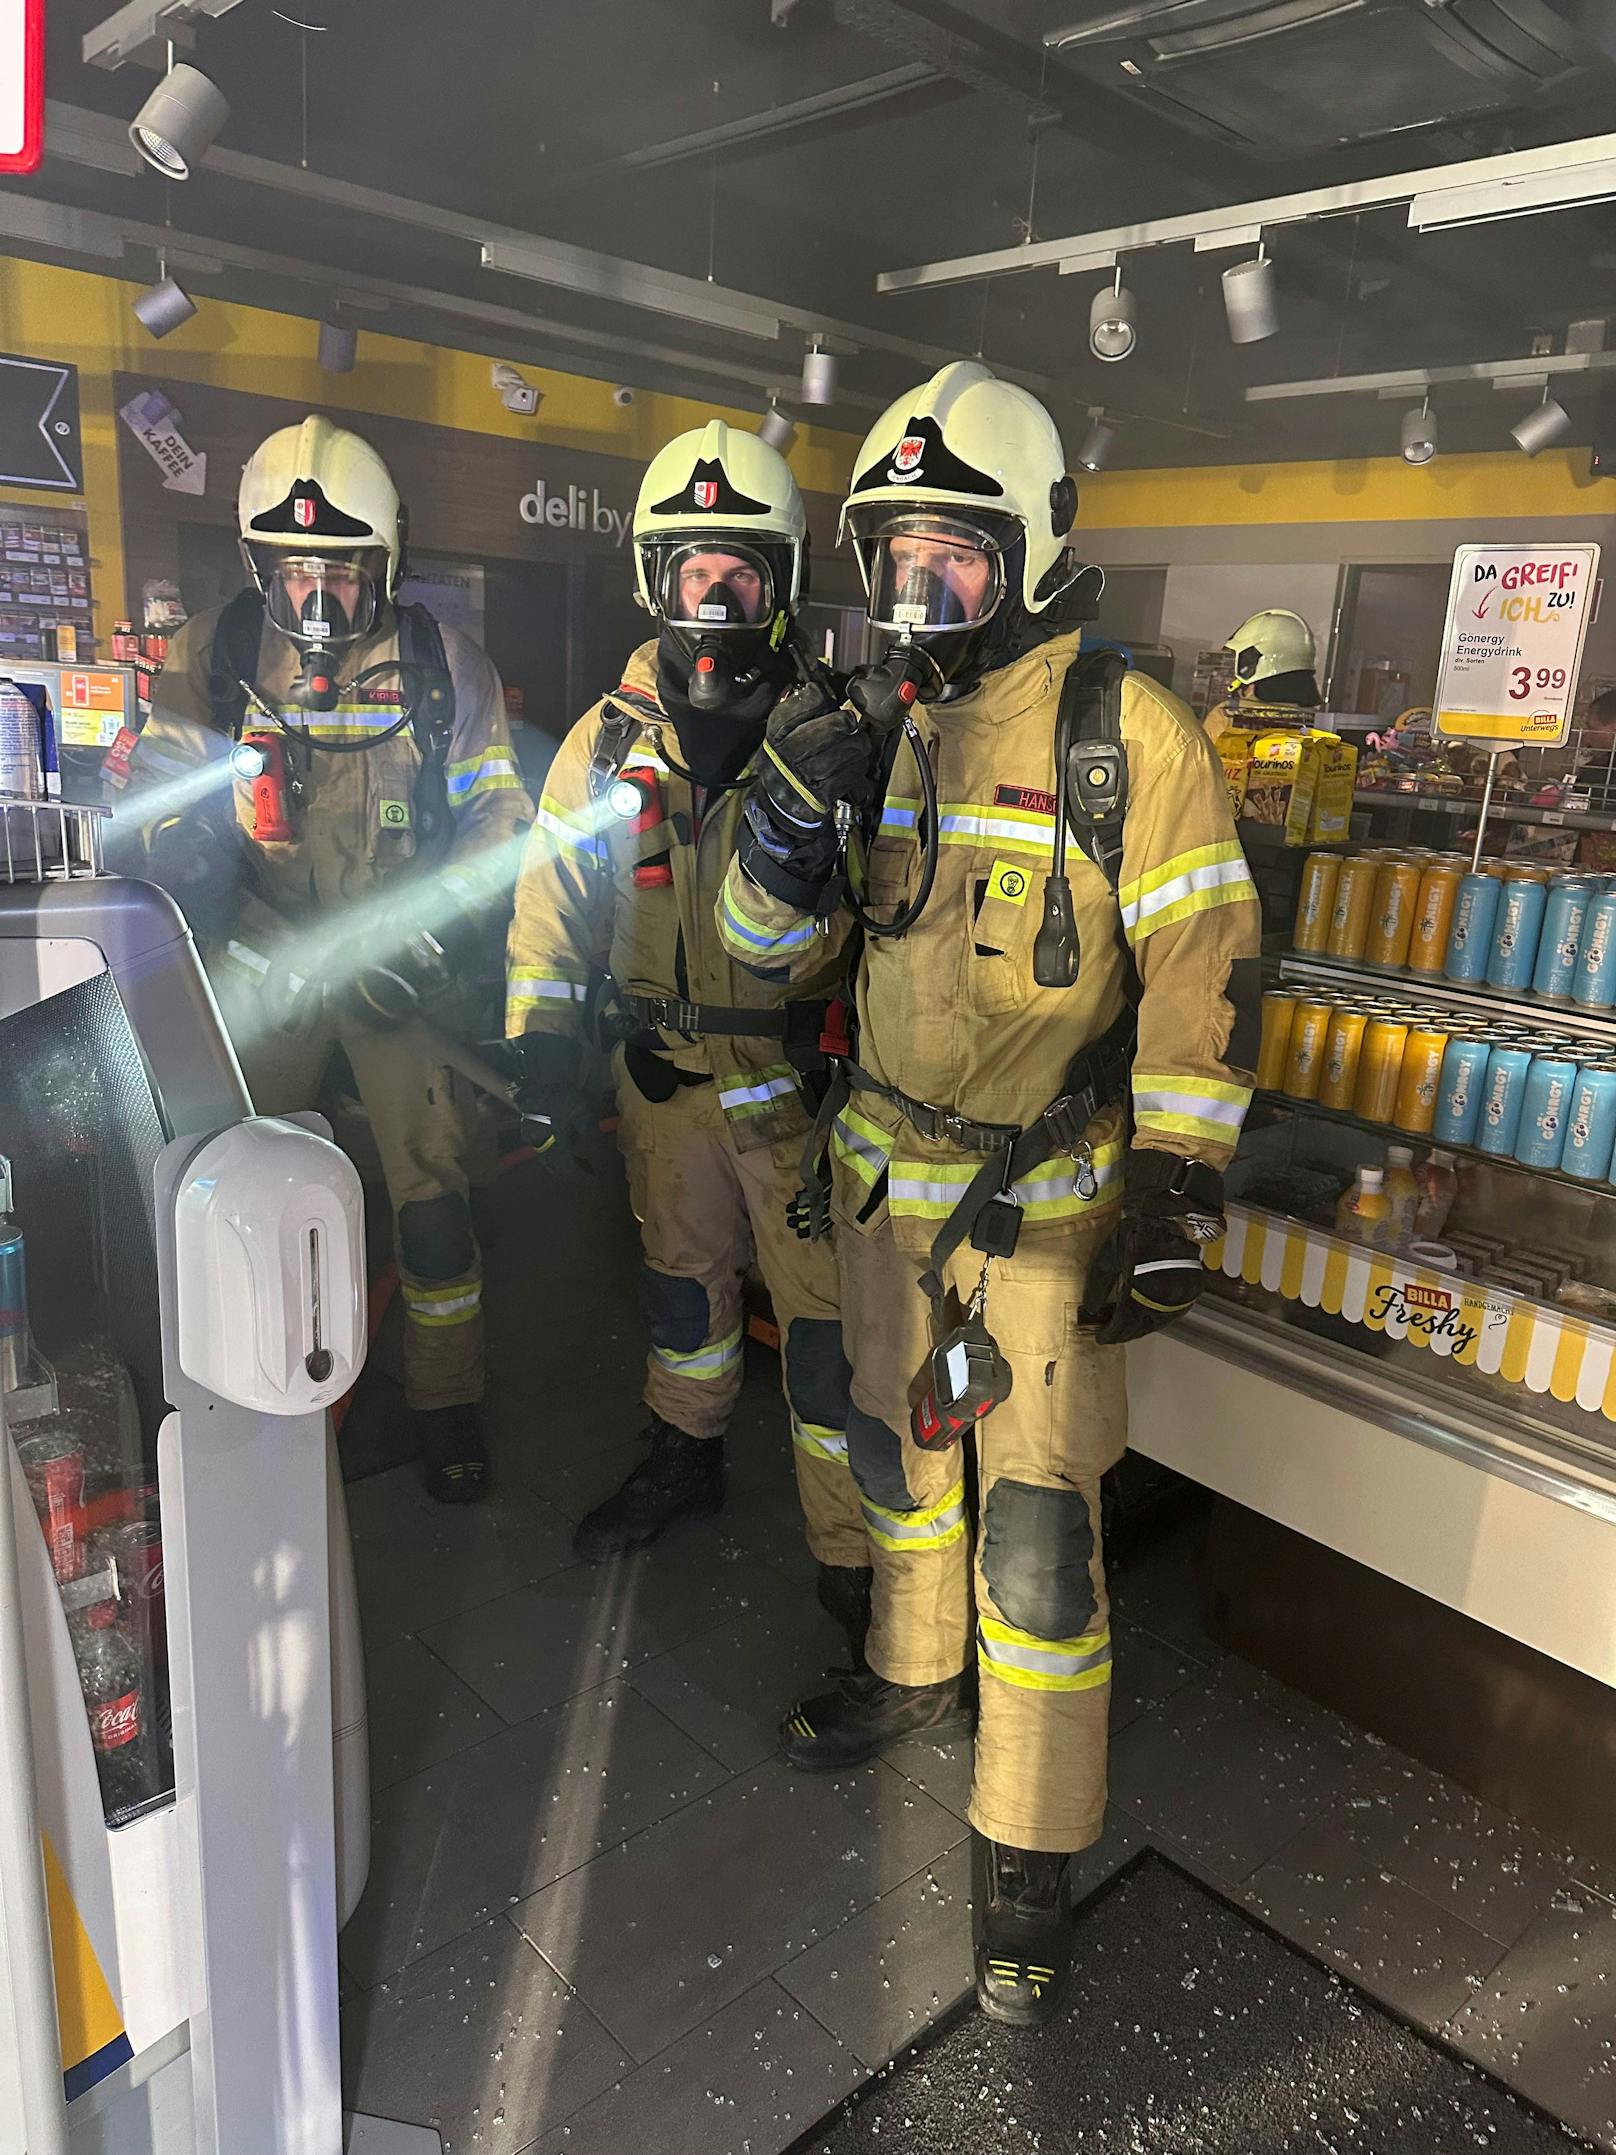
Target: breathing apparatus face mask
column 939, row 583
column 323, row 603
column 723, row 602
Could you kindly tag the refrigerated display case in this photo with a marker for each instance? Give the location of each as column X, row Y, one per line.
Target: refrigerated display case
column 1446, row 1417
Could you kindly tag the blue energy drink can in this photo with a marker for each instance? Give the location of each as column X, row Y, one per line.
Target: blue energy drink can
column 1503, row 1096
column 1545, row 1111
column 1591, row 1132
column 1459, row 1092
column 1556, row 970
column 1470, row 939
column 1595, row 983
column 1513, row 956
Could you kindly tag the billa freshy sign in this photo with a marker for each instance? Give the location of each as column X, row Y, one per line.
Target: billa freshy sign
column 22, row 84
column 1512, row 647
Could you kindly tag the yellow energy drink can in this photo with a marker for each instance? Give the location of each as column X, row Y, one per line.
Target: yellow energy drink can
column 1304, row 1063
column 1343, row 1045
column 1380, row 1065
column 1354, row 904
column 1320, row 874
column 1419, row 1081
column 1278, row 1010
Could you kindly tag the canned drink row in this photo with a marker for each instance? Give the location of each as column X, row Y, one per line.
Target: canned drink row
column 1542, row 1100
column 1517, row 926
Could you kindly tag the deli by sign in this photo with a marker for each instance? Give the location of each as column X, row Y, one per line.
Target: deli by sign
column 22, row 84
column 1512, row 644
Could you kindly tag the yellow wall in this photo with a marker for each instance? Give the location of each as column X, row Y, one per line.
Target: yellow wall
column 85, row 319
column 1353, row 490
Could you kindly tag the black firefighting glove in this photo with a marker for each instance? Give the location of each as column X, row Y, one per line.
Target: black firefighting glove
column 196, row 861
column 815, row 755
column 1150, row 1269
column 431, row 940
column 549, row 1089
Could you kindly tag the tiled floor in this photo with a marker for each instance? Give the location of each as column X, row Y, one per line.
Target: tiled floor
column 604, row 1919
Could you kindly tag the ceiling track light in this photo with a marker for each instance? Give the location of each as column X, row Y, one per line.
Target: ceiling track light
column 179, row 123
column 1419, row 434
column 1251, row 298
column 339, row 345
column 818, row 375
column 1544, row 424
column 1113, row 320
column 775, row 430
column 163, row 306
column 1098, row 442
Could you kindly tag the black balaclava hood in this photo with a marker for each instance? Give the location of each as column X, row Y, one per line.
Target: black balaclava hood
column 715, row 748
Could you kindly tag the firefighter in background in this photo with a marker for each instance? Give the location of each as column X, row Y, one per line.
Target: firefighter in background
column 1017, row 1188
column 354, row 853
column 714, row 1053
column 1275, row 682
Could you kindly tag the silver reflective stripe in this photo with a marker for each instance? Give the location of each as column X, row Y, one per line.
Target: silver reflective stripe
column 706, row 1361
column 823, row 1443
column 863, row 1148
column 1042, row 1660
column 895, row 1527
column 770, row 1089
column 254, row 960
column 1204, row 1107
column 563, row 991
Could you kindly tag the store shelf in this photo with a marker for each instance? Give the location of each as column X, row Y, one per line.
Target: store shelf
column 1450, row 804
column 1477, row 999
column 1387, row 1133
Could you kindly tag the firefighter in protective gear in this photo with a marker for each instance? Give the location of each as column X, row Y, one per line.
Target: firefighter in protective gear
column 981, row 1112
column 1275, row 682
column 714, row 1045
column 327, row 785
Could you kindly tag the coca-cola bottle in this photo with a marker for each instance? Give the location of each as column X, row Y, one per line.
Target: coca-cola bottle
column 113, row 1678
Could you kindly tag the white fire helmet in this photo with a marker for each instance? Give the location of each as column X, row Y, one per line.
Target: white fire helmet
column 949, row 479
column 322, row 531
column 720, row 533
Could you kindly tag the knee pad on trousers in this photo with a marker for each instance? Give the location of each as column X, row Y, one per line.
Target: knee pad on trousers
column 435, row 1241
column 675, row 1311
column 1037, row 1546
column 875, row 1453
column 818, row 1377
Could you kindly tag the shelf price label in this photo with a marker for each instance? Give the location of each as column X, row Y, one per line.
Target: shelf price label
column 1512, row 644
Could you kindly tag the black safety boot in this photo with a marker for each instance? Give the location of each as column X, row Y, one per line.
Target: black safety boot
column 682, row 1479
column 1024, row 1950
column 844, row 1594
column 866, row 1714
column 454, row 1464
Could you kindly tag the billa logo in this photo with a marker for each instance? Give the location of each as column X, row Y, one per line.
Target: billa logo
column 908, row 453
column 1419, row 1308
column 706, row 493
column 1421, row 1297
column 303, row 511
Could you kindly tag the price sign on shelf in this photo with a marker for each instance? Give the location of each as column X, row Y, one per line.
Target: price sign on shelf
column 1512, row 646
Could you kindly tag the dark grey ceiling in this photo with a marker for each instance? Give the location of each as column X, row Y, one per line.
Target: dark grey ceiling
column 838, row 138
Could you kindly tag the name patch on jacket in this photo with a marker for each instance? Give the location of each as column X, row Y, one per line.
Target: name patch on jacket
column 1030, row 798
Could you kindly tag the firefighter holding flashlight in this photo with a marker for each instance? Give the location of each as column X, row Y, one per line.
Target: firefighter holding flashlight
column 715, row 1056
column 1023, row 1154
column 328, row 787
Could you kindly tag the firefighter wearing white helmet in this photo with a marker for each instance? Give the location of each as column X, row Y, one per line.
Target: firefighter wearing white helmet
column 716, row 1057
column 352, row 861
column 1274, row 660
column 1023, row 1151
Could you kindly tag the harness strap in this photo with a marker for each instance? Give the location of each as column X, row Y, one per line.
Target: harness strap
column 789, row 1022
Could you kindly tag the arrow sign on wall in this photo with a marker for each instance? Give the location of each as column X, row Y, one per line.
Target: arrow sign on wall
column 155, row 424
column 39, row 424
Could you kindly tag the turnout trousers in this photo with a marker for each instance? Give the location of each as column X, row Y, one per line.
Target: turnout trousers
column 705, row 1209
column 1024, row 1587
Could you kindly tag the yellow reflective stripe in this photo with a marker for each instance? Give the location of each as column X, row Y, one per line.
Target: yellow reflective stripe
column 757, row 938
column 929, row 1190
column 443, row 1302
column 818, row 1441
column 860, row 1144
column 1192, row 882
column 1035, row 1664
column 752, row 1092
column 908, row 1531
column 1207, row 1108
column 574, row 828
column 713, row 1360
